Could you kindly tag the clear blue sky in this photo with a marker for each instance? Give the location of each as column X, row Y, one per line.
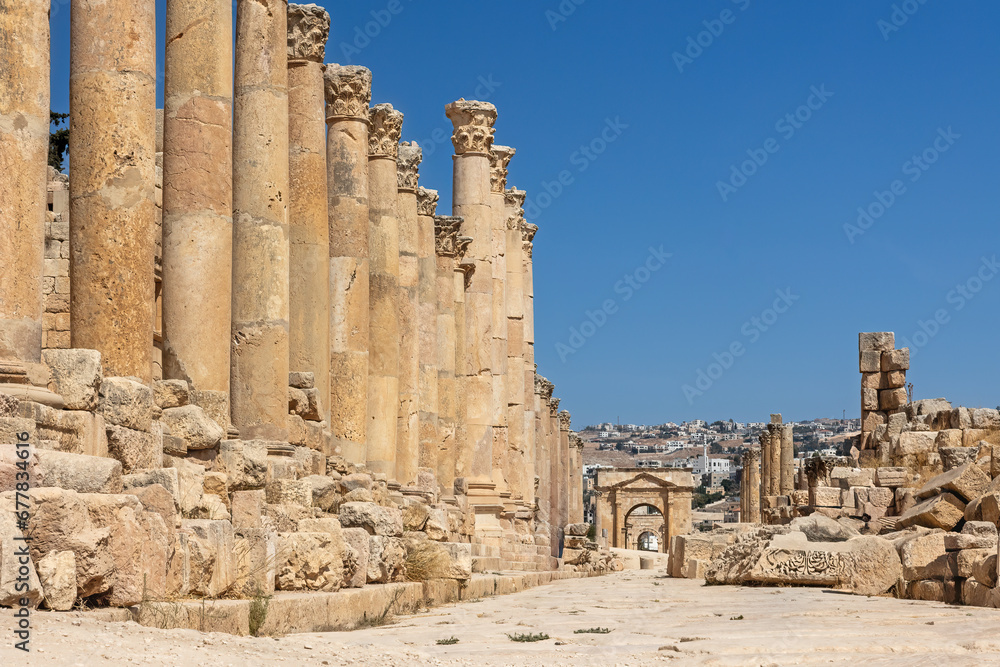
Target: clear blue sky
column 559, row 83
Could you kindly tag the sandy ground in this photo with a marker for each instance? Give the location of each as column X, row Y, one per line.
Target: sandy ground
column 652, row 620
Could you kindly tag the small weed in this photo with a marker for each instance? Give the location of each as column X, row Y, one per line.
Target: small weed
column 447, row 642
column 518, row 637
column 258, row 611
column 592, row 631
column 737, row 618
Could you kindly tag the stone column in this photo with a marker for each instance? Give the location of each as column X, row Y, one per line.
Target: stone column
column 764, row 437
column 500, row 157
column 24, row 142
column 576, row 479
column 428, row 398
column 751, row 471
column 516, row 471
column 464, row 271
column 565, row 487
column 308, row 206
column 348, row 93
column 472, row 140
column 554, row 480
column 112, row 144
column 527, row 327
column 787, row 477
column 408, row 429
column 386, row 124
column 774, row 465
column 198, row 200
column 259, row 389
column 543, row 424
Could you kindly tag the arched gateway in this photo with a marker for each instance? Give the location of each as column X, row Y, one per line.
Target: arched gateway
column 622, row 493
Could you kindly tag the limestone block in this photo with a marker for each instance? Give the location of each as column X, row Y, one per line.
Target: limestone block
column 869, row 399
column 961, row 418
column 356, row 481
column 157, row 499
column 301, row 380
column 313, row 462
column 890, row 477
column 819, row 528
column 285, row 518
column 359, row 496
column 57, row 575
column 974, row 511
column 256, row 562
column 318, row 437
column 896, row 360
column 126, row 402
column 879, row 341
column 415, row 516
column 12, row 548
column 356, row 540
column 296, row 430
column 386, row 559
column 174, row 446
column 76, row 431
column 577, row 529
column 313, row 410
column 894, row 379
column 961, row 541
column 872, row 420
column 165, row 477
column 437, row 525
column 289, row 492
column 9, row 469
column 951, row 437
column 247, row 510
column 948, row 592
column 975, row 594
column 137, row 450
column 311, row 561
column 824, row 496
column 244, row 462
column 985, row 418
column 325, row 492
column 194, row 425
column 76, row 376
column 283, row 467
column 989, row 507
column 171, row 393
column 892, row 399
column 190, row 485
column 78, row 472
column 848, row 477
column 943, row 511
column 984, row 570
column 12, row 427
column 917, row 442
column 298, row 402
column 377, row 520
column 972, row 436
column 966, row 481
column 925, row 557
column 870, row 361
column 873, row 381
column 800, row 497
column 211, row 545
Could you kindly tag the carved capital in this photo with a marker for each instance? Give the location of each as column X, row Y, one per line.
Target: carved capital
column 408, row 166
column 427, row 201
column 468, row 268
column 575, row 441
column 500, row 157
column 554, row 405
column 446, row 230
column 514, row 201
column 462, row 244
column 383, row 136
column 308, row 30
column 564, row 418
column 348, row 91
column 473, row 123
column 543, row 387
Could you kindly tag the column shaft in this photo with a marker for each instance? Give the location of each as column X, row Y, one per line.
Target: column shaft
column 530, row 399
column 112, row 145
column 787, row 477
column 408, row 430
column 753, row 486
column 427, row 331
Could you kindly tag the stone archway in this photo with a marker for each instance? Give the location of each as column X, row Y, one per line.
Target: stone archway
column 648, row 541
column 619, row 492
column 641, row 520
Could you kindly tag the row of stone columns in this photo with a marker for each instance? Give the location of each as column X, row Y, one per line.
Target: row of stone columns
column 296, row 237
column 776, row 476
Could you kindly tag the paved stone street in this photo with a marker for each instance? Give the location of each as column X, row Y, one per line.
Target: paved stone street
column 652, row 619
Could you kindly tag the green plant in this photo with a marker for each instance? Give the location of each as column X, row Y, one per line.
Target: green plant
column 258, row 611
column 448, row 642
column 592, row 631
column 58, row 140
column 592, row 532
column 518, row 637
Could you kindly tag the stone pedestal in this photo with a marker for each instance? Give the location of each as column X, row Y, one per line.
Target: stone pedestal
column 408, row 430
column 386, row 124
column 472, row 139
column 348, row 92
column 198, row 200
column 112, row 145
column 308, row 213
column 427, row 331
column 259, row 377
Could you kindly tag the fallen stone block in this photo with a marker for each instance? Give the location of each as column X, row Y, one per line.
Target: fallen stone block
column 289, row 492
column 825, row 496
column 924, row 557
column 57, row 575
column 943, row 511
column 386, row 559
column 301, row 380
column 136, row 450
column 12, row 545
column 76, row 376
column 244, row 462
column 194, row 425
column 325, row 492
column 377, row 520
column 171, row 394
column 126, row 402
column 78, row 472
column 355, row 557
column 968, row 560
column 819, row 528
column 913, row 443
column 75, row 431
column 890, row 477
column 309, row 561
column 211, row 545
column 966, row 481
column 948, row 592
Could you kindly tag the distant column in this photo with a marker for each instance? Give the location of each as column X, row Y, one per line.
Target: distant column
column 787, row 484
column 565, row 486
column 259, row 379
column 427, row 330
column 348, row 92
column 530, row 398
column 386, row 124
column 751, row 471
column 543, row 430
column 576, row 479
column 449, row 282
column 765, row 464
column 112, row 144
column 516, row 471
column 308, row 205
column 408, row 430
column 198, row 210
column 774, row 454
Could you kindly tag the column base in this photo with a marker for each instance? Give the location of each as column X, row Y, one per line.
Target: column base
column 15, row 381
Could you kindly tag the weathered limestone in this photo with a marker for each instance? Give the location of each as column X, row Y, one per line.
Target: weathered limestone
column 575, row 489
column 308, row 215
column 112, row 207
column 563, row 489
column 259, row 375
column 429, row 434
column 408, row 429
column 787, row 474
column 528, row 352
column 472, row 139
column 765, row 466
column 348, row 93
column 198, row 200
column 386, row 124
column 516, row 470
column 750, row 494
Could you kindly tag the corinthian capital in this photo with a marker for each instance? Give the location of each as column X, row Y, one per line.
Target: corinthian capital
column 446, row 229
column 500, row 157
column 383, row 135
column 473, row 123
column 564, row 420
column 427, row 201
column 575, row 441
column 348, row 91
column 514, row 201
column 408, row 166
column 554, row 404
column 543, row 387
column 308, row 30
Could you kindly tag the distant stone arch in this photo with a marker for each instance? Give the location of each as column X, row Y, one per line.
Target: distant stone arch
column 621, row 492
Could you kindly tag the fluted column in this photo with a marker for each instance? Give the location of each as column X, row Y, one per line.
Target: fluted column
column 198, row 200
column 348, row 93
column 112, row 145
column 408, row 430
column 787, row 478
column 259, row 378
column 427, row 330
column 516, row 470
column 472, row 139
column 386, row 124
column 751, row 471
column 24, row 141
column 308, row 206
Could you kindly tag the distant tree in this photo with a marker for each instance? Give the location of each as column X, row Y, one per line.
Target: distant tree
column 715, row 448
column 730, row 486
column 58, row 140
